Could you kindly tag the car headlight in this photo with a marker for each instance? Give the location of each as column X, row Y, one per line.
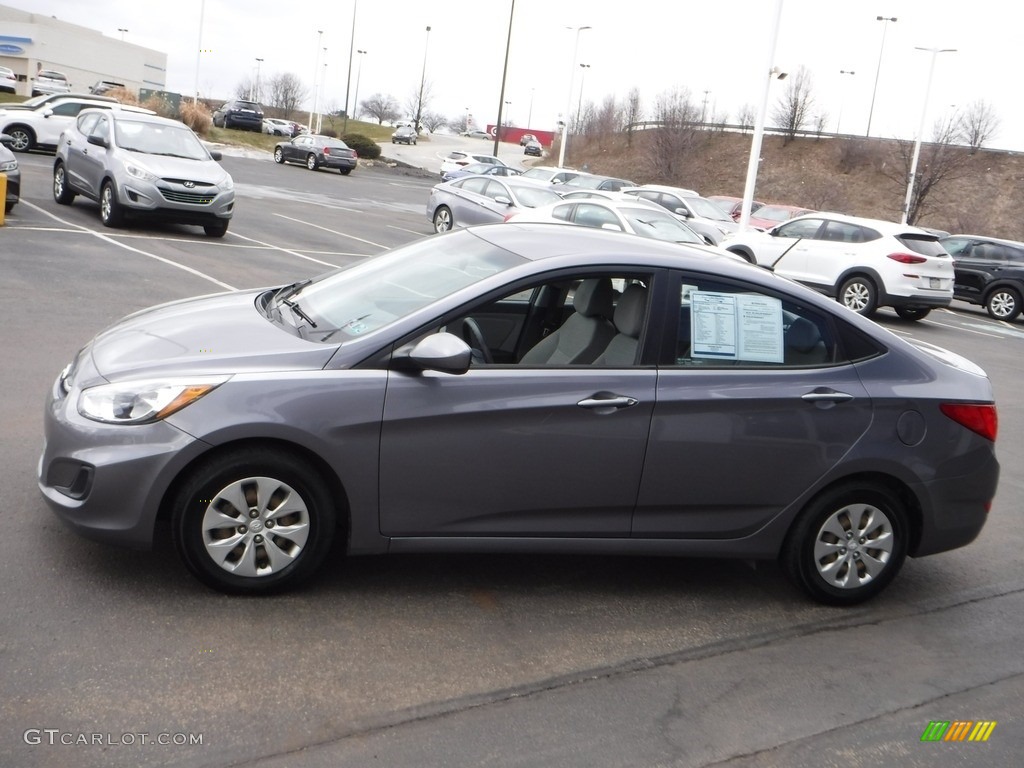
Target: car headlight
column 138, row 172
column 9, row 165
column 141, row 402
column 227, row 184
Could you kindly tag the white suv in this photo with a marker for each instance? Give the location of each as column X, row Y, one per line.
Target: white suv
column 50, row 81
column 862, row 263
column 457, row 160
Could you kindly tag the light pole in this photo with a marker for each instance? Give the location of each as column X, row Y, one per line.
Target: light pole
column 359, row 74
column 199, row 46
column 423, row 80
column 122, row 30
column 885, row 25
column 256, row 87
column 755, row 143
column 568, row 103
column 924, row 113
column 704, row 108
column 348, row 75
column 529, row 116
column 579, row 105
column 839, row 119
column 322, row 96
column 504, row 75
column 316, row 71
column 508, row 109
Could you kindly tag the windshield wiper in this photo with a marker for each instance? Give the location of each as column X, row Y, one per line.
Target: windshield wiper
column 294, row 306
column 288, row 290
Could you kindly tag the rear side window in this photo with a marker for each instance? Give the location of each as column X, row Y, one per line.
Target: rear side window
column 926, row 245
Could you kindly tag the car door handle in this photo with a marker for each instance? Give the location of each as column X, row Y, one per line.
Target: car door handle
column 607, row 401
column 823, row 395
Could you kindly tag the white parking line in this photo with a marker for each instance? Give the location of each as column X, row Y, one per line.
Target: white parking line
column 403, row 229
column 107, row 239
column 332, row 231
column 289, row 251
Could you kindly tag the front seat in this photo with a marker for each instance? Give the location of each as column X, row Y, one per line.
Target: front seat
column 585, row 334
column 629, row 321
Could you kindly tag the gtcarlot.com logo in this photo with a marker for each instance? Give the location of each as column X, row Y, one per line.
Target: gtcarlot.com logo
column 958, row 730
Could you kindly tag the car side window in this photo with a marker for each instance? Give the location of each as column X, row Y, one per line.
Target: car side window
column 726, row 325
column 563, row 212
column 475, row 184
column 842, row 232
column 590, row 215
column 804, row 228
column 101, row 129
column 1015, row 255
column 68, row 109
column 494, row 190
column 87, row 122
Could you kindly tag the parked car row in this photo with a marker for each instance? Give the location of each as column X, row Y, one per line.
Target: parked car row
column 39, row 122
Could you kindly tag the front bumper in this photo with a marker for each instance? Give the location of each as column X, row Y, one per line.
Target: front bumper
column 107, row 481
column 173, row 201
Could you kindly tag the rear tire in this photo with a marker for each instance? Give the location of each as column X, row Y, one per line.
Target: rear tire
column 24, row 138
column 344, row 171
column 859, row 294
column 907, row 313
column 61, row 194
column 311, row 162
column 847, row 544
column 1003, row 303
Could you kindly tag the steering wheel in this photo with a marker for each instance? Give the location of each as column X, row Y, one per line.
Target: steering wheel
column 472, row 335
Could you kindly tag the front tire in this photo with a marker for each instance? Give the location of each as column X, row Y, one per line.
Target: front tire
column 443, row 220
column 908, row 313
column 311, row 162
column 253, row 521
column 848, row 544
column 111, row 212
column 859, row 294
column 278, row 155
column 218, row 229
column 61, row 194
column 1003, row 303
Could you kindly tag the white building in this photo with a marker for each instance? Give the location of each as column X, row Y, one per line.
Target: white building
column 30, row 42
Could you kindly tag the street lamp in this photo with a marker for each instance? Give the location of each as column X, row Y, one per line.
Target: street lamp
column 568, row 104
column 529, row 116
column 704, row 108
column 508, row 108
column 359, row 74
column 839, row 119
column 755, row 143
column 924, row 112
column 316, row 72
column 322, row 97
column 122, row 30
column 256, row 87
column 199, row 45
column 348, row 74
column 579, row 105
column 885, row 25
column 423, row 80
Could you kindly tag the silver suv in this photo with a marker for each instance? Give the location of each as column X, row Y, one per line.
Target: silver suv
column 143, row 165
column 50, row 81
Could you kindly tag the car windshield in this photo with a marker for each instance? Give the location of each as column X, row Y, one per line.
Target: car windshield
column 707, row 209
column 157, row 139
column 375, row 293
column 534, row 197
column 659, row 226
column 538, row 173
column 773, row 213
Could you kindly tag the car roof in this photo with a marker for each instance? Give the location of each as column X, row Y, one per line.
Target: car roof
column 135, row 113
column 883, row 226
column 681, row 191
column 986, row 238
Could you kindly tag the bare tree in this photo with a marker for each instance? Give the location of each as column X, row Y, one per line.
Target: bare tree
column 977, row 124
column 381, row 107
column 632, row 113
column 793, row 110
column 432, row 121
column 457, row 123
column 419, row 102
column 746, row 116
column 244, row 88
column 940, row 163
column 820, row 121
column 675, row 137
column 285, row 92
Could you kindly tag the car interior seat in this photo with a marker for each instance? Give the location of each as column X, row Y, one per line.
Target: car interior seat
column 629, row 321
column 586, row 332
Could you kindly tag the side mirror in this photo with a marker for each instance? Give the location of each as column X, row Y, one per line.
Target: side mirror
column 6, row 140
column 47, row 112
column 442, row 352
column 99, row 141
column 682, row 212
column 502, row 200
column 216, row 155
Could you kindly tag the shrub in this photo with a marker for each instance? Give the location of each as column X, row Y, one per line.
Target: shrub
column 197, row 117
column 161, row 106
column 124, row 96
column 364, row 146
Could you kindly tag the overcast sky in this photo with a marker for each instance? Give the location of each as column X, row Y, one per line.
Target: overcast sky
column 717, row 49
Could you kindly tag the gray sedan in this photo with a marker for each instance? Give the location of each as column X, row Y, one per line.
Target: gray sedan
column 484, row 200
column 515, row 388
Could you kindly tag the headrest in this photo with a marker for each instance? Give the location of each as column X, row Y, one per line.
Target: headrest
column 802, row 335
column 593, row 297
column 629, row 314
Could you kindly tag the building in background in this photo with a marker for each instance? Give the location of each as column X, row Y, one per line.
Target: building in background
column 31, row 42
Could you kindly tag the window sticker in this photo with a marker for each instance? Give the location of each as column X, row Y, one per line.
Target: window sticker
column 728, row 326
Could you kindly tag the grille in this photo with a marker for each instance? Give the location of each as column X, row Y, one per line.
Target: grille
column 185, row 196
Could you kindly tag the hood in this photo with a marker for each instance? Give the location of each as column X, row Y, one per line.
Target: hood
column 206, row 171
column 220, row 334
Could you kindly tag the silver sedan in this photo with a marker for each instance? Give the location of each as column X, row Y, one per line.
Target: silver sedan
column 484, row 200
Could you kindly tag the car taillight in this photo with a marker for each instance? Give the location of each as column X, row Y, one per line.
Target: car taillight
column 907, row 258
column 327, row 150
column 977, row 417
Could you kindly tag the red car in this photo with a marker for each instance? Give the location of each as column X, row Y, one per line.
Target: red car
column 769, row 216
column 733, row 206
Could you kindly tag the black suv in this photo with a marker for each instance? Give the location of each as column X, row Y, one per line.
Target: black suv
column 239, row 113
column 989, row 272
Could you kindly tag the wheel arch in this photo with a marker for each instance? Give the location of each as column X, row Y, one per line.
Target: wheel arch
column 335, row 488
column 1003, row 282
column 744, row 251
column 899, row 488
column 861, row 271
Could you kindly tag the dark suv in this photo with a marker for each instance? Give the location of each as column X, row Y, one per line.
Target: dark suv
column 239, row 113
column 989, row 272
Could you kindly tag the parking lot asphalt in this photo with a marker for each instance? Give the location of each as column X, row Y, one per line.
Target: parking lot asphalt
column 532, row 661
